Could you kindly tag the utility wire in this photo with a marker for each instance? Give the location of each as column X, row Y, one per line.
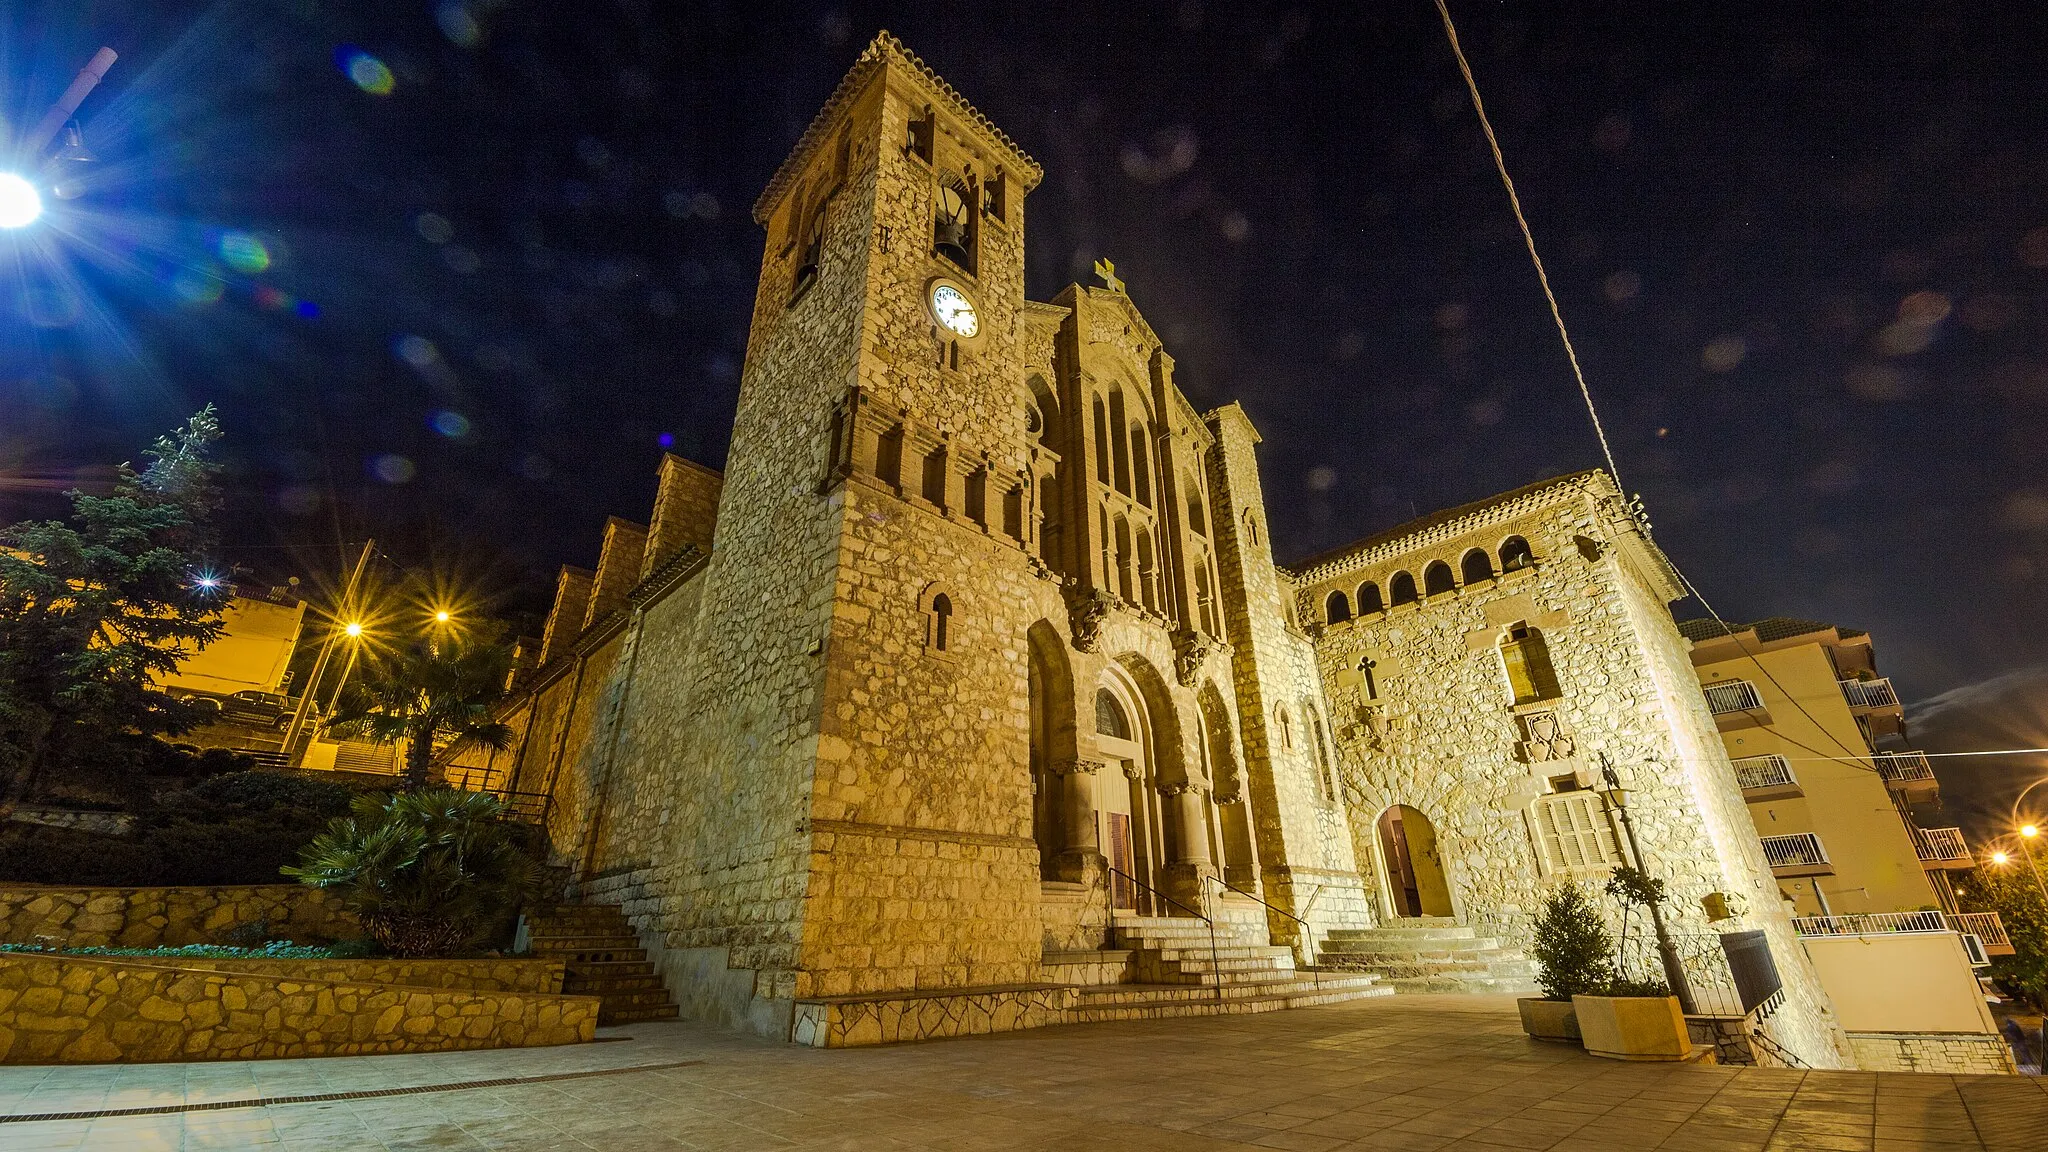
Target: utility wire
column 1500, row 165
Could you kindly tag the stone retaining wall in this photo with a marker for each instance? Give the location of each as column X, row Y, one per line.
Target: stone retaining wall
column 72, row 1010
column 1952, row 1052
column 541, row 976
column 149, row 917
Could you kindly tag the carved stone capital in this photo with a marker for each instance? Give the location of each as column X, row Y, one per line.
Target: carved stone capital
column 1075, row 764
column 1177, row 788
column 1133, row 770
column 1234, row 796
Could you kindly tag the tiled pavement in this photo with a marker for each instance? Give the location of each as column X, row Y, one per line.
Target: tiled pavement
column 1416, row 1073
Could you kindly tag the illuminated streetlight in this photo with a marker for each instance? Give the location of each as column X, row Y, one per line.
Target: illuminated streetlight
column 2029, row 831
column 2000, row 859
column 442, row 617
column 20, row 204
column 354, row 629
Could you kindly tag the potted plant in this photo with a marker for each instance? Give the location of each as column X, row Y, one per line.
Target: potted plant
column 430, row 872
column 1574, row 955
column 1632, row 1019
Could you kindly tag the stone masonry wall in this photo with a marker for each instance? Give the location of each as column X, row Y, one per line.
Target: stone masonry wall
column 685, row 510
column 1947, row 1053
column 149, row 917
column 1443, row 735
column 69, row 1010
column 488, row 975
column 1307, row 861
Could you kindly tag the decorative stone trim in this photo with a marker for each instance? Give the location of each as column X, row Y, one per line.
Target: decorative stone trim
column 1075, row 764
column 905, row 832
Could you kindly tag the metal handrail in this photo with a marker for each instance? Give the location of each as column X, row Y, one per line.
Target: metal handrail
column 1215, row 966
column 1305, row 929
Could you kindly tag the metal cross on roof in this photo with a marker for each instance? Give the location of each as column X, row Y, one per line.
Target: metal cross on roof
column 1107, row 271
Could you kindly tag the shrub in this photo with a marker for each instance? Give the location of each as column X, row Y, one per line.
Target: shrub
column 1574, row 953
column 429, row 872
column 238, row 828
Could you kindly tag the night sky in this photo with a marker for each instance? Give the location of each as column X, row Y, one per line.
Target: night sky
column 454, row 273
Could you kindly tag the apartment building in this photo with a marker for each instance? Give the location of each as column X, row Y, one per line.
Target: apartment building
column 1820, row 746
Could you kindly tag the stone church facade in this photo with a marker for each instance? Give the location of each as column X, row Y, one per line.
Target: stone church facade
column 978, row 644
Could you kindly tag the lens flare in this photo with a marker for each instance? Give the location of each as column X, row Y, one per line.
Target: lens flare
column 19, row 203
column 368, row 72
column 243, row 252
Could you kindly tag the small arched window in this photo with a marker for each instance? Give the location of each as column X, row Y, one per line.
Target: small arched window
column 1437, row 578
column 810, row 247
column 1369, row 599
column 1141, row 473
column 1515, row 554
column 1251, row 529
column 1283, row 730
column 1101, row 442
column 1197, row 521
column 1326, row 784
column 1527, row 660
column 1476, row 566
column 1401, row 589
column 1109, row 715
column 938, row 620
column 1337, row 609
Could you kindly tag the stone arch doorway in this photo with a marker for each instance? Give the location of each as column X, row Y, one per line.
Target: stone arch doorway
column 1130, row 827
column 1413, row 863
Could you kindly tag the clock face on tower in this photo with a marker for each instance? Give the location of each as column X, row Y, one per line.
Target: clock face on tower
column 954, row 311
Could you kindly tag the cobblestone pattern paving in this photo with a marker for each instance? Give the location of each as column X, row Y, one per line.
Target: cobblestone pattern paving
column 1415, row 1073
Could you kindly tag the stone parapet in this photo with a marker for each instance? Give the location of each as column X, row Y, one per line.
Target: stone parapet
column 152, row 917
column 1954, row 1053
column 490, row 975
column 72, row 1010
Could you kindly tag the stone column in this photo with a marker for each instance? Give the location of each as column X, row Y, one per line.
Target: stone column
column 1080, row 858
column 1188, row 871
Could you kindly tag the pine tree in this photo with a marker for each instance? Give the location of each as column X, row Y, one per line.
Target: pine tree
column 94, row 609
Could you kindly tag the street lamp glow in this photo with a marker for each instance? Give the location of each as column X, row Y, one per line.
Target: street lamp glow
column 354, row 629
column 441, row 617
column 2029, row 831
column 19, row 202
column 1999, row 858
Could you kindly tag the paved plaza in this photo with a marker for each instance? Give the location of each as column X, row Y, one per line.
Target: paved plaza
column 1413, row 1073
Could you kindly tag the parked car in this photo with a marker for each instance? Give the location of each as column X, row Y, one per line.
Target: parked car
column 260, row 708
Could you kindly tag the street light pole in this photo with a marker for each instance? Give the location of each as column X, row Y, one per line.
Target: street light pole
column 348, row 600
column 2028, row 832
column 1667, row 948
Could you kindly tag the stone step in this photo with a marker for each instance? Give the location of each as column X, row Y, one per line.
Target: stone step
column 1126, row 994
column 637, row 1015
column 607, row 969
column 1368, row 953
column 1432, row 985
column 1274, row 1002
column 587, row 942
column 1235, row 952
column 1404, row 937
column 619, row 983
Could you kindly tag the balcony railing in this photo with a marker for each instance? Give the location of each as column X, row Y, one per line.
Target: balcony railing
column 1800, row 850
column 1765, row 773
column 1732, row 696
column 1870, row 923
column 1941, row 846
column 1985, row 926
column 1904, row 767
column 1870, row 693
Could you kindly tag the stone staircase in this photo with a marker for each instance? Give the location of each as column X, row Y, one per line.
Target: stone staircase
column 1430, row 954
column 603, row 958
column 1175, row 973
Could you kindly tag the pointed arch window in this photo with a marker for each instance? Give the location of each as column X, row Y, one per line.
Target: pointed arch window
column 1109, row 716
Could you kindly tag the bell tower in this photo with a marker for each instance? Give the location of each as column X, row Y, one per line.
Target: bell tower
column 862, row 676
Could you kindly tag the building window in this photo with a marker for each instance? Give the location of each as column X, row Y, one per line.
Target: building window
column 1251, row 529
column 1141, row 474
column 1476, row 566
column 1197, row 522
column 1109, row 716
column 1337, row 609
column 1527, row 660
column 1369, row 599
column 1101, row 443
column 1574, row 832
column 918, row 140
column 938, row 620
column 953, row 223
column 1283, row 730
column 1402, row 589
column 1515, row 554
column 994, row 196
column 1437, row 579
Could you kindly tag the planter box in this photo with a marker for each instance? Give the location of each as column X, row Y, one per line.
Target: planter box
column 1633, row 1027
column 1549, row 1019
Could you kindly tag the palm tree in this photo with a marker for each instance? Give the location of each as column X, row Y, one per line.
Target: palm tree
column 426, row 693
